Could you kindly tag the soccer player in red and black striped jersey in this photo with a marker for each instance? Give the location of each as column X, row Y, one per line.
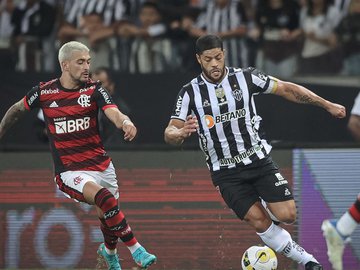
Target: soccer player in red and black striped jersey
column 83, row 169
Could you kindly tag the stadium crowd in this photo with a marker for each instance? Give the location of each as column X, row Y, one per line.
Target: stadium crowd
column 282, row 37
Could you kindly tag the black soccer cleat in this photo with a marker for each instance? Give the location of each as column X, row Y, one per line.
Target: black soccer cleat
column 313, row 266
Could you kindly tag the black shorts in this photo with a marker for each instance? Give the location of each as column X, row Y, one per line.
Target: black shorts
column 243, row 186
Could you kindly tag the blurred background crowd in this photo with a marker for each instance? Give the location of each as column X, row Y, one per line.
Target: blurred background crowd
column 282, row 37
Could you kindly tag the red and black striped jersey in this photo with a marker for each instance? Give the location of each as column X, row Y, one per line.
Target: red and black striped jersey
column 72, row 124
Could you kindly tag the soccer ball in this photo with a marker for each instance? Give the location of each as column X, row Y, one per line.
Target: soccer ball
column 259, row 258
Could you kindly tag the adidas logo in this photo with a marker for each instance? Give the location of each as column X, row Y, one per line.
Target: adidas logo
column 287, row 192
column 53, row 105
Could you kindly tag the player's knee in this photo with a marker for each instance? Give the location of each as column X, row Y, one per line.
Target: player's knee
column 287, row 215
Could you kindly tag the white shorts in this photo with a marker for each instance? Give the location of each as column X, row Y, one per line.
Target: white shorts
column 71, row 183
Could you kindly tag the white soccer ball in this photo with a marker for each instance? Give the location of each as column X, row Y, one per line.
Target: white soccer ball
column 259, row 258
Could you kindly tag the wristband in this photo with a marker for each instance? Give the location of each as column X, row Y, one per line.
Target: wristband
column 126, row 121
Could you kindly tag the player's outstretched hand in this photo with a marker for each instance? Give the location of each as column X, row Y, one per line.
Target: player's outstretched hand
column 337, row 110
column 130, row 130
column 190, row 126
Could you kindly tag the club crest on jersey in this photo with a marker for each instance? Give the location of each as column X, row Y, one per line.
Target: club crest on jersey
column 77, row 180
column 84, row 100
column 237, row 94
column 220, row 93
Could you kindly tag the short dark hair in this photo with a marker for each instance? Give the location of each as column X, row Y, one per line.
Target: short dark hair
column 208, row 42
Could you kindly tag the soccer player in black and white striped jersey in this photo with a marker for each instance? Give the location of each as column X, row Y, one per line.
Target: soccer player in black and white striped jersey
column 219, row 105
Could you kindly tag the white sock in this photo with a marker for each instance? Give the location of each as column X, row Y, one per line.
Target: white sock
column 346, row 225
column 280, row 240
column 110, row 251
column 134, row 247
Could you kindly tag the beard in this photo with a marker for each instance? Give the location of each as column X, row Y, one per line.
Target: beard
column 210, row 77
column 79, row 80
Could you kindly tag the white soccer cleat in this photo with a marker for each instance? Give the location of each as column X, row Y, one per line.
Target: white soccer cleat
column 335, row 243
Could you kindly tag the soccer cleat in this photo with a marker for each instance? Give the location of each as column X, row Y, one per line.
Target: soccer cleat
column 112, row 261
column 143, row 258
column 313, row 266
column 335, row 243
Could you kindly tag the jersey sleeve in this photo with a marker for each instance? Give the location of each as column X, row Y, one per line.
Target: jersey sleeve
column 32, row 98
column 103, row 99
column 261, row 82
column 181, row 108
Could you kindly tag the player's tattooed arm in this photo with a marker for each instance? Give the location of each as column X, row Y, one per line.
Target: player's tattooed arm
column 13, row 114
column 301, row 94
column 304, row 98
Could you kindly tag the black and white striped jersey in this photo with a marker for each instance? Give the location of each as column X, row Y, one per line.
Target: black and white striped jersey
column 109, row 10
column 229, row 126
